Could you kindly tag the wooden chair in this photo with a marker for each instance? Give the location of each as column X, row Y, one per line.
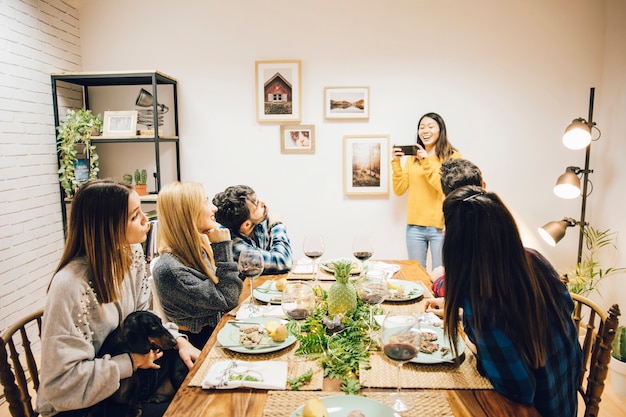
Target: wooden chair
column 596, row 339
column 16, row 340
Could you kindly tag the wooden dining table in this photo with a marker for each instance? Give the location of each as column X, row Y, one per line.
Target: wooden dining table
column 194, row 401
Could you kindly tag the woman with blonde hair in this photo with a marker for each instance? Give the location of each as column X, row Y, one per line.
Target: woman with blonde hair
column 195, row 274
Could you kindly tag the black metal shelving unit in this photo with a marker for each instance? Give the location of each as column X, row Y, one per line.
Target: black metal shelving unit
column 127, row 78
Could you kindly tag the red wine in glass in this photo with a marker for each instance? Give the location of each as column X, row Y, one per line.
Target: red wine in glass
column 362, row 255
column 401, row 352
column 313, row 255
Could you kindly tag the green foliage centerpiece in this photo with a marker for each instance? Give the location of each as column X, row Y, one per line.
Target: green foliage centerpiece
column 341, row 341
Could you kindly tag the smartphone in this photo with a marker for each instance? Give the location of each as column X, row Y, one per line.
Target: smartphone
column 407, row 149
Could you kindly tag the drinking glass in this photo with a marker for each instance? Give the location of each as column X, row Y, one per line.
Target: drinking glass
column 363, row 249
column 251, row 266
column 401, row 341
column 313, row 248
column 372, row 290
column 298, row 303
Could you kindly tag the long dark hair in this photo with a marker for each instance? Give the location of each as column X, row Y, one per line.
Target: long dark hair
column 97, row 231
column 505, row 285
column 443, row 148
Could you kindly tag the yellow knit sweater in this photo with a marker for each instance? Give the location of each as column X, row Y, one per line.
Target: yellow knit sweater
column 423, row 180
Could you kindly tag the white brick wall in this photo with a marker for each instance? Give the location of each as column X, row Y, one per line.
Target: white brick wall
column 37, row 38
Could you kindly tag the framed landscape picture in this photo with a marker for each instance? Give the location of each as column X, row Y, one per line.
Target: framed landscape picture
column 347, row 103
column 366, row 165
column 278, row 91
column 297, row 139
column 120, row 123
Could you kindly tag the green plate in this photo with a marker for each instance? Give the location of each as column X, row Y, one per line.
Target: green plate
column 412, row 290
column 229, row 336
column 268, row 293
column 342, row 405
column 327, row 265
column 436, row 357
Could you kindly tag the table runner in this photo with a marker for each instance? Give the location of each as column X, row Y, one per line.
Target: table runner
column 383, row 374
column 431, row 404
column 295, row 368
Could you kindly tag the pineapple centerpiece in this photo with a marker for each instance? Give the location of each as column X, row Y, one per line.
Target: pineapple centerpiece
column 342, row 295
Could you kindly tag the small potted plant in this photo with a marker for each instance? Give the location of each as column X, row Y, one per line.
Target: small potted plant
column 618, row 362
column 73, row 139
column 141, row 178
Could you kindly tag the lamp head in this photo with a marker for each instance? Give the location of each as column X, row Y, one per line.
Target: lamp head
column 568, row 184
column 552, row 232
column 577, row 135
column 145, row 99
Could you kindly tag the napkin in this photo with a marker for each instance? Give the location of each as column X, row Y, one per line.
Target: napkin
column 389, row 269
column 229, row 374
column 261, row 311
column 429, row 319
column 303, row 266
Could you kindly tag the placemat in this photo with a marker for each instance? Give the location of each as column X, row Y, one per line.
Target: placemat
column 296, row 367
column 383, row 374
column 431, row 404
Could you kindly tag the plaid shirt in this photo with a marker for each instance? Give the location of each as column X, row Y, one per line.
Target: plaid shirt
column 552, row 389
column 274, row 244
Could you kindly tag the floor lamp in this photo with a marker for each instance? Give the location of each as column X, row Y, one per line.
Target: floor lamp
column 577, row 136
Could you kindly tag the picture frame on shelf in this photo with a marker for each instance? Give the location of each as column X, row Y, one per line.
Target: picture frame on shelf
column 347, row 103
column 366, row 165
column 297, row 139
column 278, row 91
column 120, row 123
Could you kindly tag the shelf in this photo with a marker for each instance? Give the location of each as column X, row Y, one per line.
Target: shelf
column 90, row 79
column 132, row 139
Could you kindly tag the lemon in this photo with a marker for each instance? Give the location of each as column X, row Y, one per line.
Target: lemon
column 280, row 284
column 392, row 286
column 276, row 330
column 314, row 407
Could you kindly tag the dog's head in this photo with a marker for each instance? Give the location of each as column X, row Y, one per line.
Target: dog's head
column 144, row 331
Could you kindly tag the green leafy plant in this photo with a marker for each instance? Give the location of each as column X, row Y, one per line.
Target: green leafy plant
column 77, row 128
column 141, row 178
column 584, row 277
column 619, row 344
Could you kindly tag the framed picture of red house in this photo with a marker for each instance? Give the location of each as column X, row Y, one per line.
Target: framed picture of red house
column 278, row 91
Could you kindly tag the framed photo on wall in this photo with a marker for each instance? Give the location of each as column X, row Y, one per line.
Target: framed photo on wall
column 278, row 91
column 347, row 103
column 366, row 165
column 120, row 123
column 297, row 138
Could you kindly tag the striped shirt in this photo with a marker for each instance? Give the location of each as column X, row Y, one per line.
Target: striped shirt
column 273, row 243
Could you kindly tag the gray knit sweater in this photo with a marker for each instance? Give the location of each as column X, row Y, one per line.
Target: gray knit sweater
column 189, row 297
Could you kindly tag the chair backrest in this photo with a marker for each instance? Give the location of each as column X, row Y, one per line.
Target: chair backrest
column 596, row 330
column 17, row 340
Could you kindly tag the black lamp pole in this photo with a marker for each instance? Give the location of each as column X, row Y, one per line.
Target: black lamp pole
column 586, row 172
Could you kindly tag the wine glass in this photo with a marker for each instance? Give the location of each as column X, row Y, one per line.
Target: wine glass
column 401, row 341
column 313, row 248
column 251, row 266
column 372, row 290
column 362, row 249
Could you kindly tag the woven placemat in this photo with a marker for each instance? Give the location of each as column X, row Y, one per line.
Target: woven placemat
column 383, row 374
column 431, row 404
column 296, row 366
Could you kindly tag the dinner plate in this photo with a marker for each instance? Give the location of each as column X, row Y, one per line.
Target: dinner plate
column 327, row 266
column 437, row 357
column 229, row 336
column 268, row 293
column 412, row 290
column 342, row 405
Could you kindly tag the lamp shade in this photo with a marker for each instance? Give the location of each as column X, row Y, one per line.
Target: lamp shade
column 145, row 99
column 552, row 232
column 568, row 184
column 577, row 135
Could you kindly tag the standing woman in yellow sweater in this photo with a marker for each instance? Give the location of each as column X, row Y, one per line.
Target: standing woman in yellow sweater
column 421, row 176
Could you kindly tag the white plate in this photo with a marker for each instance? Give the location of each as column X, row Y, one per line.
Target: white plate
column 412, row 290
column 268, row 293
column 436, row 357
column 327, row 265
column 229, row 336
column 342, row 405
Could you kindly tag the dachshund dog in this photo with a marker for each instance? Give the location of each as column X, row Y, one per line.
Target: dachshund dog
column 140, row 332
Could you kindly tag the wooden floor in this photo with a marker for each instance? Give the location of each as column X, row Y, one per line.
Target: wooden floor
column 612, row 405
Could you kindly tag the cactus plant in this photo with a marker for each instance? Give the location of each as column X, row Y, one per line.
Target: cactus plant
column 141, row 178
column 128, row 179
column 619, row 344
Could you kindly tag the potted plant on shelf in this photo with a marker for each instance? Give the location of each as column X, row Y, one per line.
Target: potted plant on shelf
column 618, row 362
column 584, row 277
column 141, row 179
column 73, row 139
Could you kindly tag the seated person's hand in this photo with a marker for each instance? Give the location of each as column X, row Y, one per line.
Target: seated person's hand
column 436, row 273
column 274, row 218
column 146, row 360
column 434, row 305
column 188, row 353
column 218, row 234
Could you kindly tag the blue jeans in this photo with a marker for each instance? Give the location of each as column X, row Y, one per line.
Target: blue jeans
column 417, row 240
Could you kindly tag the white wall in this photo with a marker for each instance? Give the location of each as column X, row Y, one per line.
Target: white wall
column 508, row 78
